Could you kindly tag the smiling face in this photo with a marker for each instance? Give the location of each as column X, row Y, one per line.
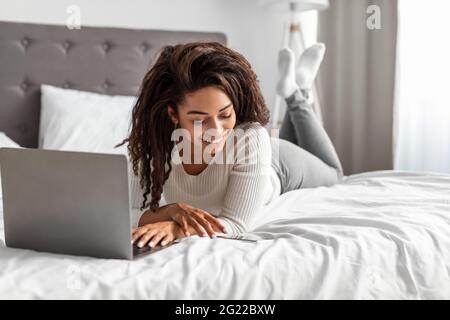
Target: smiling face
column 208, row 115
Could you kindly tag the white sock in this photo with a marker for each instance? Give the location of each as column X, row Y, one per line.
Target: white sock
column 308, row 65
column 286, row 85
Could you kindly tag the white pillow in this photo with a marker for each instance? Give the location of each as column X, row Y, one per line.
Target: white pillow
column 83, row 121
column 6, row 142
column 76, row 120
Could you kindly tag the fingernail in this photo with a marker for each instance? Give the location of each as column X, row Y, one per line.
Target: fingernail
column 140, row 244
column 163, row 243
column 214, row 236
column 187, row 234
column 151, row 244
column 132, row 241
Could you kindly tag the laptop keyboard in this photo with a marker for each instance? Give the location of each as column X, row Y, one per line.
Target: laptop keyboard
column 138, row 251
column 241, row 237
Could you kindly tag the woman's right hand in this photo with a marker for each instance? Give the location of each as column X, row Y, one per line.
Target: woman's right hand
column 200, row 220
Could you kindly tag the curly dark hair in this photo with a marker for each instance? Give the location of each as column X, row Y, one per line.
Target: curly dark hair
column 182, row 69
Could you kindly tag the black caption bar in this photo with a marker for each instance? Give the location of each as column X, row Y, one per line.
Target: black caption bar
column 222, row 309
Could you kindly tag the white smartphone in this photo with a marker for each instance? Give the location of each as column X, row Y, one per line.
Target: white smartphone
column 243, row 237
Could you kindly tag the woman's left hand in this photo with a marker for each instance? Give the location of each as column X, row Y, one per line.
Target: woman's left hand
column 154, row 233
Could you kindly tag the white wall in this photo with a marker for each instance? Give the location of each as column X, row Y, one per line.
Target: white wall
column 252, row 30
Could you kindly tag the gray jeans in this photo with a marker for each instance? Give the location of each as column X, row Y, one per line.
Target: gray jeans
column 304, row 156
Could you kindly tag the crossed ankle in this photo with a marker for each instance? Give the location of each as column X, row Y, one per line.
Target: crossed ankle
column 301, row 97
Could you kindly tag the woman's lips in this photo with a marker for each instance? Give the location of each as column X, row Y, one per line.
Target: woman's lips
column 215, row 141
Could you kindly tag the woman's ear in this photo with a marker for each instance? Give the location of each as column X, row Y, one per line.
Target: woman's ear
column 172, row 114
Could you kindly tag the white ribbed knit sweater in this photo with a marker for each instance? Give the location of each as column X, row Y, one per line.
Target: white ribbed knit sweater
column 233, row 191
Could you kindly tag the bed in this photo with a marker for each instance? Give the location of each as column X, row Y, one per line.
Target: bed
column 377, row 235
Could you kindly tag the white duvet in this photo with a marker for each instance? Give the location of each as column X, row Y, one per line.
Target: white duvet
column 379, row 235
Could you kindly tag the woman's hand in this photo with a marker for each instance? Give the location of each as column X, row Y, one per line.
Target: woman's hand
column 165, row 232
column 201, row 221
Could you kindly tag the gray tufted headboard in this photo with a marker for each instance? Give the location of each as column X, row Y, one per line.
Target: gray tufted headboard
column 104, row 60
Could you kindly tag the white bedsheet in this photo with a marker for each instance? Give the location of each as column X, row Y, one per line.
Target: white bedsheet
column 379, row 235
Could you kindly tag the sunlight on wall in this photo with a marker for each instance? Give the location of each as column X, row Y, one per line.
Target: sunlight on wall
column 423, row 107
column 309, row 25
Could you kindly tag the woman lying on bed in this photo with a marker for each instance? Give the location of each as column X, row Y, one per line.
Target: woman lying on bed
column 207, row 93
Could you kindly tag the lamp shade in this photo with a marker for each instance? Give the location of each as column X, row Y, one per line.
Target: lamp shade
column 296, row 5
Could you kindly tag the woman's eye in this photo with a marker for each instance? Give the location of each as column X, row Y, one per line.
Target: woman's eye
column 226, row 116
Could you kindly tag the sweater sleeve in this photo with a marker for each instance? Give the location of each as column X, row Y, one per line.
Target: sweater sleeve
column 248, row 181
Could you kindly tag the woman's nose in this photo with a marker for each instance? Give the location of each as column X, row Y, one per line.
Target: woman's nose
column 216, row 127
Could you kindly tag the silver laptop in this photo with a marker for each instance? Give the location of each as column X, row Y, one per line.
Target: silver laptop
column 68, row 202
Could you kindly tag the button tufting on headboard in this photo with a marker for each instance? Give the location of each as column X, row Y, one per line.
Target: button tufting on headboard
column 25, row 42
column 24, row 86
column 144, row 47
column 106, row 46
column 66, row 46
column 125, row 56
